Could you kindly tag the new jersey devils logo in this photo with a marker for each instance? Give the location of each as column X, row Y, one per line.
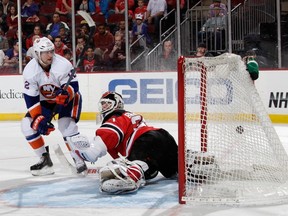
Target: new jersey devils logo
column 48, row 91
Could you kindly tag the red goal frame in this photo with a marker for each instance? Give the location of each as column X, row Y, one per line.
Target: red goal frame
column 181, row 120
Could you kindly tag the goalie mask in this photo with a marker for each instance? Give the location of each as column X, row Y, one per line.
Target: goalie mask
column 41, row 45
column 109, row 102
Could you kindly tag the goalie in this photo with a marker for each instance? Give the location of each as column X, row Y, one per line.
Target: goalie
column 139, row 151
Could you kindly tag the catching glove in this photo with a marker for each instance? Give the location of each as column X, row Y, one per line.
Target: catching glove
column 41, row 124
column 62, row 97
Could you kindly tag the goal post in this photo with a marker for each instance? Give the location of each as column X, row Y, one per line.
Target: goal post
column 229, row 151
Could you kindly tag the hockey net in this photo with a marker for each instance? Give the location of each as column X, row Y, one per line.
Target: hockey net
column 229, row 152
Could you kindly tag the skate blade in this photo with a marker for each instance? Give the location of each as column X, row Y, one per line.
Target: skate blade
column 83, row 173
column 44, row 171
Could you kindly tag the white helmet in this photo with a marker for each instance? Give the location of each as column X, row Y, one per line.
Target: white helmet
column 42, row 45
column 109, row 102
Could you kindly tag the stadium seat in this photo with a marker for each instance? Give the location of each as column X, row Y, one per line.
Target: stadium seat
column 98, row 18
column 10, row 33
column 115, row 18
column 47, row 9
column 43, row 20
column 151, row 28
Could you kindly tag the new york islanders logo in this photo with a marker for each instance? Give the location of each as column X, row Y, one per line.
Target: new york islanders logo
column 48, row 91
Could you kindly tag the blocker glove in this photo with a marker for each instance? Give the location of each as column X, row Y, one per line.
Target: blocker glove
column 41, row 124
column 62, row 97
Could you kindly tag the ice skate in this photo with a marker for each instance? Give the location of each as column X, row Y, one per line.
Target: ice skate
column 80, row 165
column 74, row 143
column 43, row 167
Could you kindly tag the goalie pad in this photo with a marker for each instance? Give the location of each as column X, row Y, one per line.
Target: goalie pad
column 86, row 150
column 122, row 176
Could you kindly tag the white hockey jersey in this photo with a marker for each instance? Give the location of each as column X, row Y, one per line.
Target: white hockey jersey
column 38, row 82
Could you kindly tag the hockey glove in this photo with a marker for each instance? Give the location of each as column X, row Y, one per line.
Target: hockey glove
column 62, row 97
column 41, row 124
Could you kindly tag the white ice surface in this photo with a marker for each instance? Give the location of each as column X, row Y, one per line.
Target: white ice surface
column 62, row 194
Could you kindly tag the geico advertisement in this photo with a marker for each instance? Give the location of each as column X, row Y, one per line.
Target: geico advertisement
column 152, row 91
column 142, row 92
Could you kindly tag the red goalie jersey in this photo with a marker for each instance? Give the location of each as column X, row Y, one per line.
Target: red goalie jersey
column 120, row 129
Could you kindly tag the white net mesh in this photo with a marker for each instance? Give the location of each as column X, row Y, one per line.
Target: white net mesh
column 233, row 155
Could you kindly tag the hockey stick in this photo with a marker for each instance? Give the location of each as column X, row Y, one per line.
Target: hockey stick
column 92, row 26
column 68, row 166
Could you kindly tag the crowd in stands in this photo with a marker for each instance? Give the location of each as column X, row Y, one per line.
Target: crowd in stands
column 106, row 50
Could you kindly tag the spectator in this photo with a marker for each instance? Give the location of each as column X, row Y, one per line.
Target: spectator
column 167, row 60
column 80, row 44
column 90, row 61
column 85, row 31
column 214, row 28
column 5, row 5
column 84, row 5
column 63, row 7
column 103, row 40
column 31, row 52
column 59, row 46
column 15, row 37
column 217, row 4
column 141, row 9
column 68, row 55
column 156, row 9
column 4, row 44
column 65, row 37
column 36, row 31
column 120, row 6
column 3, row 24
column 202, row 51
column 12, row 55
column 53, row 28
column 171, row 5
column 12, row 18
column 251, row 64
column 122, row 30
column 102, row 8
column 117, row 56
column 141, row 29
column 30, row 10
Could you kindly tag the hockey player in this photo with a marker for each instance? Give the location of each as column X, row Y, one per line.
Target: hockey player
column 251, row 64
column 139, row 151
column 44, row 78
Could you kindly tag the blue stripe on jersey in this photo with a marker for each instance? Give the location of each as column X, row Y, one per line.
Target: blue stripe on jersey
column 33, row 136
column 31, row 101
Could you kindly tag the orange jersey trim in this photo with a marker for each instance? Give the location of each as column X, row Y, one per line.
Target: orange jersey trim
column 35, row 110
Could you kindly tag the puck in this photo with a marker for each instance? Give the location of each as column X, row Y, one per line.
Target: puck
column 239, row 129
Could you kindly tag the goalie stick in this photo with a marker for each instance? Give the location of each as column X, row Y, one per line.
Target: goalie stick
column 92, row 26
column 68, row 166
